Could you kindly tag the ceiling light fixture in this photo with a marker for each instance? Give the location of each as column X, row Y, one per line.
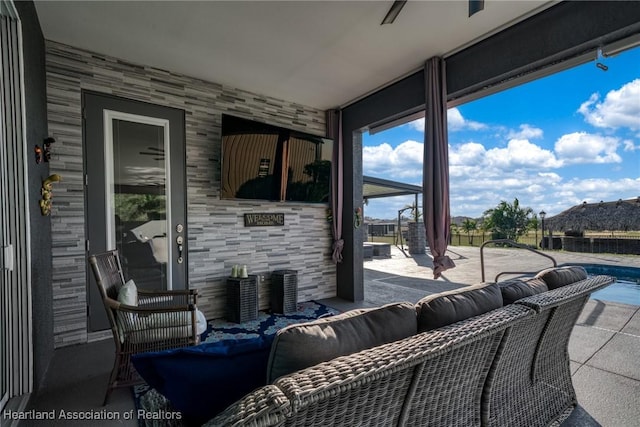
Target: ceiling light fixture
column 600, row 56
column 475, row 6
column 391, row 16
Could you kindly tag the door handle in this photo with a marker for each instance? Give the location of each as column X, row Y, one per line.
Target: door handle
column 180, row 243
column 7, row 257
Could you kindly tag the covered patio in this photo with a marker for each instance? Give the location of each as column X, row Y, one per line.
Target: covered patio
column 322, row 69
column 604, row 340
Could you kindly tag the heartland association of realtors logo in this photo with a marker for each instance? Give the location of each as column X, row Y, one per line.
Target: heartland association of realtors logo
column 263, row 219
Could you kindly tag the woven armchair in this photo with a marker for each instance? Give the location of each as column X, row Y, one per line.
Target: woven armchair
column 161, row 320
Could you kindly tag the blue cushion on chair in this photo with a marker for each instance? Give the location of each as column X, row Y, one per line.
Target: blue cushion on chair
column 202, row 380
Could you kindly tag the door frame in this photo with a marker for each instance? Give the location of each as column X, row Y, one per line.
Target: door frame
column 107, row 107
column 15, row 240
column 110, row 115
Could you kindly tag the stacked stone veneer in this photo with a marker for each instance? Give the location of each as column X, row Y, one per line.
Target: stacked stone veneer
column 417, row 238
column 217, row 238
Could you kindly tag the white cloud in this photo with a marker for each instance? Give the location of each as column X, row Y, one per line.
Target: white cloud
column 550, row 177
column 540, row 191
column 582, row 147
column 387, row 207
column 417, row 124
column 455, row 122
column 630, row 146
column 467, row 154
column 522, row 153
column 619, row 109
column 476, row 188
column 526, row 132
column 596, row 189
column 403, row 161
column 377, row 156
column 480, row 178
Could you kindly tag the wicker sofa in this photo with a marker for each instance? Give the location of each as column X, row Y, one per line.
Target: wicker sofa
column 467, row 360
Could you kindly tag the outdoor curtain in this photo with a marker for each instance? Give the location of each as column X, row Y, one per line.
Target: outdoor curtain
column 435, row 178
column 334, row 131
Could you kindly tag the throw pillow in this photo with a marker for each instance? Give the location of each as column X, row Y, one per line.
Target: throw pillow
column 128, row 294
column 435, row 311
column 557, row 277
column 300, row 346
column 201, row 322
column 515, row 289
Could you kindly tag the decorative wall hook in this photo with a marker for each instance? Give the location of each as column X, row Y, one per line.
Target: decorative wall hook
column 47, row 148
column 47, row 187
column 38, row 153
column 357, row 220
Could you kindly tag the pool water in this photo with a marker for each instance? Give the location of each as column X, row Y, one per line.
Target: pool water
column 626, row 288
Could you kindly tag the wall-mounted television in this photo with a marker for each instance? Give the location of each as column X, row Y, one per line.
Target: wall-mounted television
column 267, row 162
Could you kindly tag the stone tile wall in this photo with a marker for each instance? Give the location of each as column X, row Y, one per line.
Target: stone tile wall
column 217, row 236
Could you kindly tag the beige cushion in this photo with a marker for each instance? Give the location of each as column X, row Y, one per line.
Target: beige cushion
column 296, row 347
column 557, row 277
column 128, row 294
column 435, row 311
column 515, row 289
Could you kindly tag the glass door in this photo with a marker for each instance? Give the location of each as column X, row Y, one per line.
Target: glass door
column 137, row 218
column 135, row 192
column 15, row 302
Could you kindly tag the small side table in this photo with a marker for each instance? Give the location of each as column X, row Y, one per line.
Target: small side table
column 284, row 291
column 242, row 299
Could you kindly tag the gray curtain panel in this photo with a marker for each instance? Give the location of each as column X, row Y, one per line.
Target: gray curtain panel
column 435, row 178
column 334, row 131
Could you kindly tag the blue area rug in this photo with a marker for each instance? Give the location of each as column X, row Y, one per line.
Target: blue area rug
column 155, row 410
column 266, row 324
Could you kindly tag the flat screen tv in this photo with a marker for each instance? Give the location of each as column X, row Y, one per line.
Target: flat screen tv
column 262, row 161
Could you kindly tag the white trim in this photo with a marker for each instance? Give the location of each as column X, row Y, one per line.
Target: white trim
column 28, row 316
column 109, row 116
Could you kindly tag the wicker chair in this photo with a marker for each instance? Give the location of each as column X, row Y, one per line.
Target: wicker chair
column 161, row 320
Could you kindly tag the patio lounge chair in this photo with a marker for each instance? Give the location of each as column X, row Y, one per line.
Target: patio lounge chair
column 140, row 320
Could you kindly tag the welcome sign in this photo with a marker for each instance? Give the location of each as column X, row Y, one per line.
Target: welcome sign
column 263, row 219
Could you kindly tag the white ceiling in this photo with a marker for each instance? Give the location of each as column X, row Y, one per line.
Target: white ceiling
column 318, row 53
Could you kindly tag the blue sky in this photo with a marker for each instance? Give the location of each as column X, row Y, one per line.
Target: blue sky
column 552, row 143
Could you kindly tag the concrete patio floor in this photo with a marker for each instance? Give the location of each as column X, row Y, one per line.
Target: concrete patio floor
column 604, row 347
column 605, row 344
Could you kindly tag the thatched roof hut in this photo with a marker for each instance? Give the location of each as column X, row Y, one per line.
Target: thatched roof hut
column 623, row 215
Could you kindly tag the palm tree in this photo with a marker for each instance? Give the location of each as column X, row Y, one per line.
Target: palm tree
column 508, row 220
column 469, row 225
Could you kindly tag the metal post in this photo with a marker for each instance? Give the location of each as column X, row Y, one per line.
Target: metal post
column 542, row 215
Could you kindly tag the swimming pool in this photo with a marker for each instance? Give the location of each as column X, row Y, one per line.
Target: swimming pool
column 626, row 289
